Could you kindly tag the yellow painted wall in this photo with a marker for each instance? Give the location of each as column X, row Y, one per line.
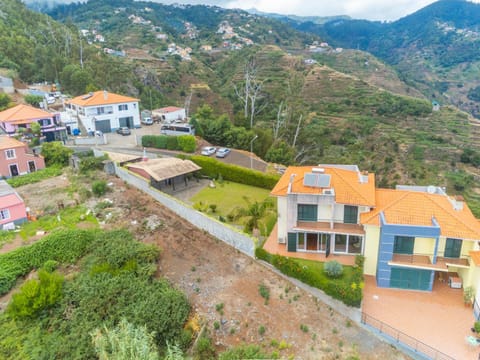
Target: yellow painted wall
column 466, row 247
column 372, row 239
column 424, row 246
column 282, row 217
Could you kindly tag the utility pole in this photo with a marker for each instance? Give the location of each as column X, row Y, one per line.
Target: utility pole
column 251, row 151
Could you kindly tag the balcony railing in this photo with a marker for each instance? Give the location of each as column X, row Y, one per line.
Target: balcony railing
column 425, row 261
column 408, row 341
column 331, row 227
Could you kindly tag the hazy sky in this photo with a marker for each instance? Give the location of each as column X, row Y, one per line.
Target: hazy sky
column 357, row 9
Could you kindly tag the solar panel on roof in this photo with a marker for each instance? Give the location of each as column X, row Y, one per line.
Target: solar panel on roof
column 309, row 180
column 323, row 180
column 316, row 180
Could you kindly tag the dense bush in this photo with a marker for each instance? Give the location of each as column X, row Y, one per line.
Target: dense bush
column 115, row 281
column 214, row 168
column 89, row 163
column 333, row 269
column 35, row 177
column 36, row 295
column 56, row 154
column 64, row 246
column 185, row 143
column 349, row 291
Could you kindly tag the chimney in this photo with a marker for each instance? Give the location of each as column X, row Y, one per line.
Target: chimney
column 458, row 202
column 363, row 177
column 105, row 95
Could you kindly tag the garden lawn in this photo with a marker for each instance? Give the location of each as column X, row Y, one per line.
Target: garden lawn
column 316, row 268
column 228, row 196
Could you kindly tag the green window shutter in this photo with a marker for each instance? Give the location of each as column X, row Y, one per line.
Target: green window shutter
column 292, row 242
column 403, row 245
column 306, row 212
column 350, row 214
column 453, row 248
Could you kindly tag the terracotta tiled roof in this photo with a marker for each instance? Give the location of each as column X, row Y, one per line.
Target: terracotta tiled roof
column 22, row 114
column 100, row 98
column 165, row 168
column 345, row 182
column 404, row 207
column 475, row 256
column 7, row 142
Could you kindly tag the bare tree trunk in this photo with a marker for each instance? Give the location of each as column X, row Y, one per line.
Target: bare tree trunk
column 297, row 131
column 278, row 122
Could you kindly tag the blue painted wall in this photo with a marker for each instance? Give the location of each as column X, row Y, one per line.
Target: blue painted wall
column 387, row 240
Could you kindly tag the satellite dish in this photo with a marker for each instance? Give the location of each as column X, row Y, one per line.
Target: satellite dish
column 431, row 189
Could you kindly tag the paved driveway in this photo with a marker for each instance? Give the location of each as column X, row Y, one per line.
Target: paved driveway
column 133, row 142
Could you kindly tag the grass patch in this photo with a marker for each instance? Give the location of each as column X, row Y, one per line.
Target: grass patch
column 228, row 195
column 6, row 237
column 35, row 177
column 67, row 218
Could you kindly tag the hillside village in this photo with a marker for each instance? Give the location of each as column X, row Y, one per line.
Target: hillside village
column 253, row 250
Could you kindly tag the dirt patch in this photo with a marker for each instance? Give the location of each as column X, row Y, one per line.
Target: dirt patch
column 47, row 195
column 223, row 286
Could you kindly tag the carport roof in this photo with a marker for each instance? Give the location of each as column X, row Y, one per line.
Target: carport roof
column 165, row 168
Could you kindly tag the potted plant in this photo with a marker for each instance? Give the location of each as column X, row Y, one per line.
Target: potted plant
column 468, row 295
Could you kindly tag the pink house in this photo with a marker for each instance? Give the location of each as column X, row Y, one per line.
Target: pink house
column 22, row 116
column 17, row 159
column 12, row 207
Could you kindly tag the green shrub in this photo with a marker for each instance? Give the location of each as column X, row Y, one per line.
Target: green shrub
column 89, row 163
column 50, row 266
column 35, row 177
column 187, row 143
column 204, row 349
column 333, row 269
column 64, row 246
column 172, row 143
column 349, row 291
column 244, row 352
column 36, row 295
column 56, row 154
column 214, row 169
column 99, row 187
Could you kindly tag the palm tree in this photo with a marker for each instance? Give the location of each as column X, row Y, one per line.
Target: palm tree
column 253, row 213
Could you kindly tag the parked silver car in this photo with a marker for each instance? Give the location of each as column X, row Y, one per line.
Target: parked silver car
column 222, row 152
column 208, row 150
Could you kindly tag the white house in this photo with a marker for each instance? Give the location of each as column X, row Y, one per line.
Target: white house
column 104, row 111
column 169, row 114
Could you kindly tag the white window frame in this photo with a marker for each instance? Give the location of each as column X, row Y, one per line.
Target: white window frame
column 4, row 214
column 123, row 107
column 10, row 151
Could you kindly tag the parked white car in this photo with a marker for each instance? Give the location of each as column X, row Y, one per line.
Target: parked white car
column 208, row 150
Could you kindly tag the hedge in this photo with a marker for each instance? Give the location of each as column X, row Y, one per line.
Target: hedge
column 185, row 143
column 64, row 246
column 349, row 292
column 214, row 169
